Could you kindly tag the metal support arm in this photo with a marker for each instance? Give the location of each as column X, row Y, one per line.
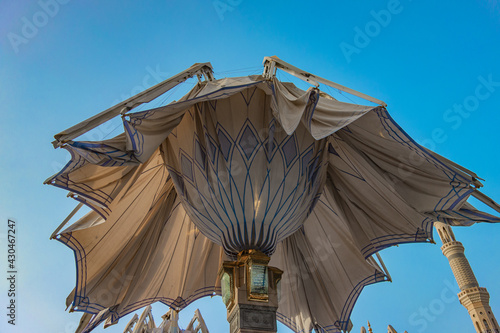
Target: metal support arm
column 273, row 63
column 145, row 96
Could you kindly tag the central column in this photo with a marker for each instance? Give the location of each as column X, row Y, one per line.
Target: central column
column 250, row 292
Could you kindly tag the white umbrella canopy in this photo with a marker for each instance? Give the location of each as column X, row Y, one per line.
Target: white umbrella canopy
column 253, row 163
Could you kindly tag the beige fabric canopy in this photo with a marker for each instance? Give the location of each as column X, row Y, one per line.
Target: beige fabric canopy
column 240, row 163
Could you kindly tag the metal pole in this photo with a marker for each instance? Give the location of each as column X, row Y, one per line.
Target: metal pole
column 145, row 96
column 271, row 62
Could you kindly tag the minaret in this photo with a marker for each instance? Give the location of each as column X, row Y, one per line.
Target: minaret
column 389, row 328
column 471, row 295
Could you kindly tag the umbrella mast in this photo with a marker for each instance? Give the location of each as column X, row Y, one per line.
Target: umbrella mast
column 250, row 291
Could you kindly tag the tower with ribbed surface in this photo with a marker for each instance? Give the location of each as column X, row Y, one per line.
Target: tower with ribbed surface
column 473, row 297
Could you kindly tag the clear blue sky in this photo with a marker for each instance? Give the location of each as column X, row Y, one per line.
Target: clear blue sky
column 60, row 64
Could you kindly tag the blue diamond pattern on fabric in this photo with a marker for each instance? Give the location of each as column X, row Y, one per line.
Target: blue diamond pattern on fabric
column 272, row 129
column 306, row 159
column 212, row 148
column 269, row 146
column 178, row 181
column 187, row 167
column 290, row 150
column 312, row 172
column 199, row 154
column 225, row 144
column 248, row 141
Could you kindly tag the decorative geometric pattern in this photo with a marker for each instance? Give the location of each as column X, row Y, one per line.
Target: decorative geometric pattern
column 290, row 150
column 200, row 155
column 248, row 141
column 224, row 144
column 179, row 182
column 187, row 167
column 259, row 185
column 306, row 159
column 212, row 148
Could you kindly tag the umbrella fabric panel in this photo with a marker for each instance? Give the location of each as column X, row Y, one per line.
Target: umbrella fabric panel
column 465, row 216
column 324, row 116
column 377, row 215
column 390, row 189
column 98, row 186
column 426, row 182
column 103, row 244
column 142, row 253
